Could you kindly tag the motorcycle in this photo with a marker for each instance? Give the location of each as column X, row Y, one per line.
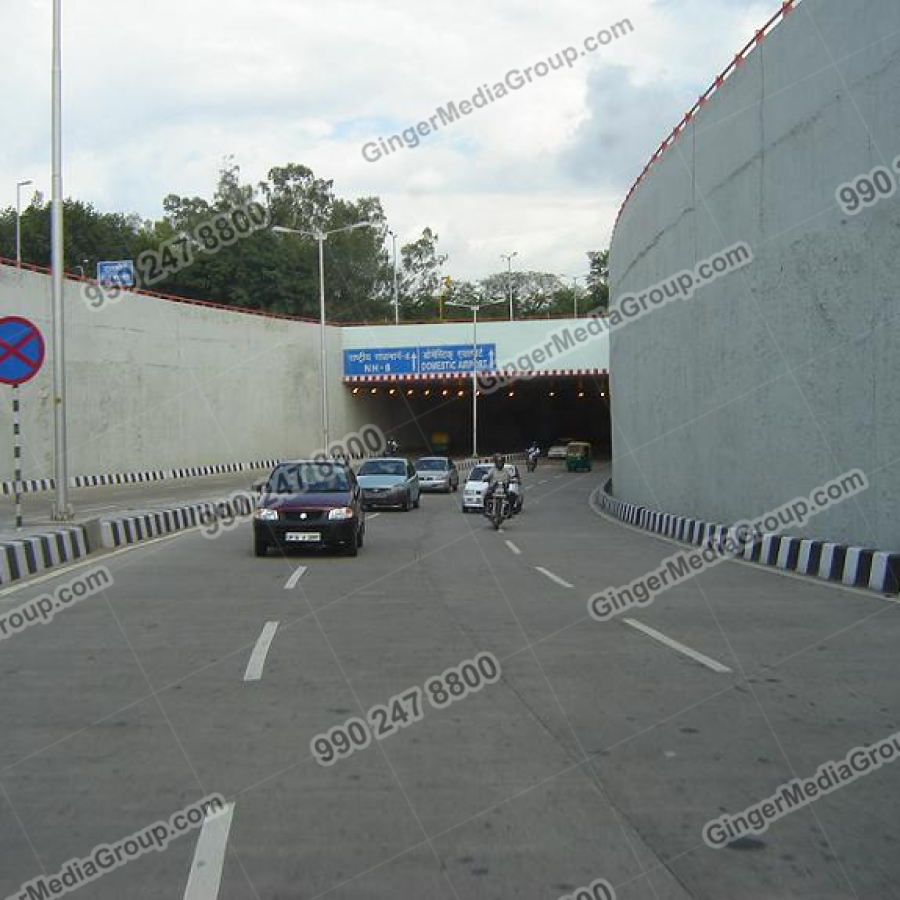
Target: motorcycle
column 496, row 507
column 531, row 461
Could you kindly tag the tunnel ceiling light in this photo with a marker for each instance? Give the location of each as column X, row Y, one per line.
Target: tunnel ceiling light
column 356, row 390
column 444, row 392
column 552, row 394
column 460, row 393
column 409, row 392
column 580, row 394
column 511, row 394
column 374, row 391
column 602, row 393
column 428, row 392
column 392, row 391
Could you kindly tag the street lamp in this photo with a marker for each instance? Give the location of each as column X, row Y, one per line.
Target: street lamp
column 575, row 290
column 321, row 237
column 475, row 306
column 509, row 258
column 19, row 186
column 396, row 294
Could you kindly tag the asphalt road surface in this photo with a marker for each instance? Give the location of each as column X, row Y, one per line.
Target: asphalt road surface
column 600, row 752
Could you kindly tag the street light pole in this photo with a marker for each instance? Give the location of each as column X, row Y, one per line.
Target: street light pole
column 19, row 186
column 509, row 258
column 396, row 292
column 575, row 279
column 474, row 307
column 62, row 511
column 321, row 237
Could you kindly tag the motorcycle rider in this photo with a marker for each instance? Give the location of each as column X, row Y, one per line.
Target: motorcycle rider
column 532, row 454
column 392, row 447
column 497, row 475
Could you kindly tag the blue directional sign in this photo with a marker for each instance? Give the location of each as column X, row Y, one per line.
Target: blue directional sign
column 120, row 272
column 449, row 359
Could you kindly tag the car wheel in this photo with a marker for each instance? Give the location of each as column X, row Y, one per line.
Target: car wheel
column 260, row 547
column 416, row 501
column 361, row 536
column 352, row 549
column 405, row 504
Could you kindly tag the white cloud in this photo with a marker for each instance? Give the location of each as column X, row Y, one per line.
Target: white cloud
column 155, row 98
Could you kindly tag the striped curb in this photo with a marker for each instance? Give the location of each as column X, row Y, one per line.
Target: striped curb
column 126, row 530
column 38, row 552
column 853, row 566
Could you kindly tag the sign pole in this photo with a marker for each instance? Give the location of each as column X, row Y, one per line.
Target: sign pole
column 17, row 457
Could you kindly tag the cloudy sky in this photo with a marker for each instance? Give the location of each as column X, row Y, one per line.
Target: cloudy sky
column 157, row 93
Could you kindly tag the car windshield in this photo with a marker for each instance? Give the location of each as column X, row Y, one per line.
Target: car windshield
column 297, row 478
column 431, row 465
column 478, row 473
column 383, row 467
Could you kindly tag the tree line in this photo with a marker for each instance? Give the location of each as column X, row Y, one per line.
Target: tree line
column 280, row 273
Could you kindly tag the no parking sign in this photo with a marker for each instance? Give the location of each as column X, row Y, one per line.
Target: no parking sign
column 21, row 358
column 21, row 350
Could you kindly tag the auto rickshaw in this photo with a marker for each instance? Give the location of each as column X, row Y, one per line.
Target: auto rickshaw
column 578, row 456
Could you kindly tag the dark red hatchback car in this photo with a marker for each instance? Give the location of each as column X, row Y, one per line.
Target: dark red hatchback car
column 306, row 503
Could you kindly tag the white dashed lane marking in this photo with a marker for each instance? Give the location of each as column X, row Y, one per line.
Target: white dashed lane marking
column 553, row 577
column 258, row 656
column 681, row 648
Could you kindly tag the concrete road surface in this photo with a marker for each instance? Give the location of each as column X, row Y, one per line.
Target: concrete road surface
column 601, row 752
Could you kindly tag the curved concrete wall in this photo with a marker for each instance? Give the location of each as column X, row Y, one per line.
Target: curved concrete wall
column 776, row 378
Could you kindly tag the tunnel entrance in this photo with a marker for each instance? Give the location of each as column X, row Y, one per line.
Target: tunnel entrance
column 544, row 409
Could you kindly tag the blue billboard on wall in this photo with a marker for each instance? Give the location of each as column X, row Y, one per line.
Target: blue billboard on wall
column 447, row 359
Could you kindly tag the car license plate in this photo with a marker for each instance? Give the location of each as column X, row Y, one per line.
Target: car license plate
column 304, row 536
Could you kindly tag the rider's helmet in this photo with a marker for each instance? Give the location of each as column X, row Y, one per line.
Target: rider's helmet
column 499, row 461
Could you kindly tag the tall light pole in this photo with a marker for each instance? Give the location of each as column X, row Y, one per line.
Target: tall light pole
column 475, row 306
column 396, row 293
column 19, row 186
column 509, row 258
column 321, row 237
column 575, row 291
column 62, row 511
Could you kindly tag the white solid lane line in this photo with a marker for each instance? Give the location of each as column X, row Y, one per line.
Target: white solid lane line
column 553, row 577
column 693, row 654
column 209, row 856
column 258, row 656
column 514, row 548
column 295, row 577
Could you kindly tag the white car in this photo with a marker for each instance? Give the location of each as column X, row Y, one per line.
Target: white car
column 558, row 448
column 474, row 488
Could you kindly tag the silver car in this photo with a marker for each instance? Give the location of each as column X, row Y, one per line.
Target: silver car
column 389, row 481
column 437, row 473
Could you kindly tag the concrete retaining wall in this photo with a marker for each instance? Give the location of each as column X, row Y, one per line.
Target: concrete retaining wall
column 775, row 379
column 154, row 384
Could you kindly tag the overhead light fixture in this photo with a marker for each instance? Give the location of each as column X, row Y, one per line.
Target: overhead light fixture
column 409, row 392
column 444, row 392
column 580, row 394
column 374, row 391
column 356, row 390
column 428, row 392
column 392, row 391
column 511, row 394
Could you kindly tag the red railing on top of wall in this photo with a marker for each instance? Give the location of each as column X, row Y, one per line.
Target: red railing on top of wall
column 787, row 7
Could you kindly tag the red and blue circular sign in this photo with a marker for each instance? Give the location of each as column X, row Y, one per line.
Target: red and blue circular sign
column 21, row 350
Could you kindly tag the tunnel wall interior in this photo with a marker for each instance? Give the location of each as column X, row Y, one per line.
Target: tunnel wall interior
column 540, row 409
column 780, row 376
column 154, row 384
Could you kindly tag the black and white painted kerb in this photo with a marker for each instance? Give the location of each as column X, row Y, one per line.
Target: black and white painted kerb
column 852, row 566
column 38, row 552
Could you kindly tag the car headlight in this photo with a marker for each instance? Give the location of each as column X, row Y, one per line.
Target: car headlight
column 342, row 512
column 266, row 515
